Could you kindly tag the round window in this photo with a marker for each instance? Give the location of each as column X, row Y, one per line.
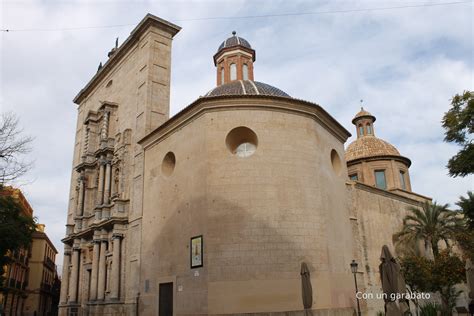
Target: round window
column 242, row 141
column 168, row 164
column 336, row 162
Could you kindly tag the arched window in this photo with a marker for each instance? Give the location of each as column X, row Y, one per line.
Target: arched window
column 245, row 72
column 361, row 130
column 233, row 72
column 222, row 75
column 369, row 129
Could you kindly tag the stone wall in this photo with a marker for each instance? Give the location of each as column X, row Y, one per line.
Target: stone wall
column 376, row 215
column 260, row 216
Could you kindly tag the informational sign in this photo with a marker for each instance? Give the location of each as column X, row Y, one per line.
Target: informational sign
column 196, row 252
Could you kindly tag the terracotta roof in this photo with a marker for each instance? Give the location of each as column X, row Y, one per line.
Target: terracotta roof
column 362, row 113
column 246, row 87
column 370, row 146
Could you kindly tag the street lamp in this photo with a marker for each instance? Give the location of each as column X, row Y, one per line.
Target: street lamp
column 354, row 272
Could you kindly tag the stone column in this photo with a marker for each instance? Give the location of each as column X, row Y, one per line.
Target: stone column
column 95, row 269
column 100, row 189
column 115, row 274
column 107, row 183
column 65, row 275
column 102, row 271
column 73, row 283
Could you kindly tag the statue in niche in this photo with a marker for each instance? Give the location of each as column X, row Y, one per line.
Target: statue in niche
column 116, row 182
column 77, row 191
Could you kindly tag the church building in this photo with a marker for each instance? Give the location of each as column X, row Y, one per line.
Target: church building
column 214, row 210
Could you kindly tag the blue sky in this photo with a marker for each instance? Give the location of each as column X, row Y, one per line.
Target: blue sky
column 405, row 64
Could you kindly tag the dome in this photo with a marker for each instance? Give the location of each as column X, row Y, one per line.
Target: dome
column 246, row 87
column 362, row 113
column 234, row 41
column 371, row 146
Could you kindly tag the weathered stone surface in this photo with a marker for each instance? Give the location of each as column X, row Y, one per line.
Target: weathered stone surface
column 262, row 209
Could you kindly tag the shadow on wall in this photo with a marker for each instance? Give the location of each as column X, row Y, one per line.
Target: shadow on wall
column 251, row 261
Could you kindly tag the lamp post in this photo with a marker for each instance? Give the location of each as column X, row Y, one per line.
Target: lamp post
column 354, row 272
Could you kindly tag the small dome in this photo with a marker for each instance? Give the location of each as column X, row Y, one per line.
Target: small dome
column 234, row 41
column 362, row 113
column 246, row 87
column 369, row 147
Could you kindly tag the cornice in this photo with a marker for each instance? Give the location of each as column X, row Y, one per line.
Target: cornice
column 89, row 231
column 148, row 21
column 228, row 50
column 402, row 159
column 257, row 102
column 44, row 236
column 86, row 165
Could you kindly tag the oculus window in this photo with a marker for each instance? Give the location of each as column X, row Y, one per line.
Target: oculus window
column 242, row 142
column 336, row 162
column 168, row 164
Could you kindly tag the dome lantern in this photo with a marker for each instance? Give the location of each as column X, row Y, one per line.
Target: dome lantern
column 234, row 60
column 364, row 122
column 373, row 161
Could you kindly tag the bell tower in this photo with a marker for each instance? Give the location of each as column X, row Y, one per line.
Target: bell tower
column 234, row 60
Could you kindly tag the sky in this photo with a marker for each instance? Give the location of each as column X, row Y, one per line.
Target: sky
column 404, row 63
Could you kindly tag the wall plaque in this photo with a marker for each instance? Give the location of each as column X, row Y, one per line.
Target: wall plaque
column 196, row 252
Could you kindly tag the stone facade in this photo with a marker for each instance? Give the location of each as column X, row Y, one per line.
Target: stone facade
column 262, row 177
column 125, row 100
column 14, row 290
column 43, row 281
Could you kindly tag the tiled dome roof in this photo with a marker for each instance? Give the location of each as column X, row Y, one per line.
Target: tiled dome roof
column 362, row 113
column 234, row 41
column 246, row 87
column 370, row 146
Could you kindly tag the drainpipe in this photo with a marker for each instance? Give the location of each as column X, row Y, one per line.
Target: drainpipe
column 136, row 304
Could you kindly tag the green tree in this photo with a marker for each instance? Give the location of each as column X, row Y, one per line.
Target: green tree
column 448, row 270
column 459, row 125
column 15, row 229
column 423, row 275
column 417, row 273
column 466, row 205
column 465, row 237
column 431, row 224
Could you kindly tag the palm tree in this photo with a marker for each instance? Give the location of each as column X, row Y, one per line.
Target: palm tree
column 467, row 207
column 431, row 224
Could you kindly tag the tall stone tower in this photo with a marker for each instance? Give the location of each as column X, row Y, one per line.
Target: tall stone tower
column 125, row 100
